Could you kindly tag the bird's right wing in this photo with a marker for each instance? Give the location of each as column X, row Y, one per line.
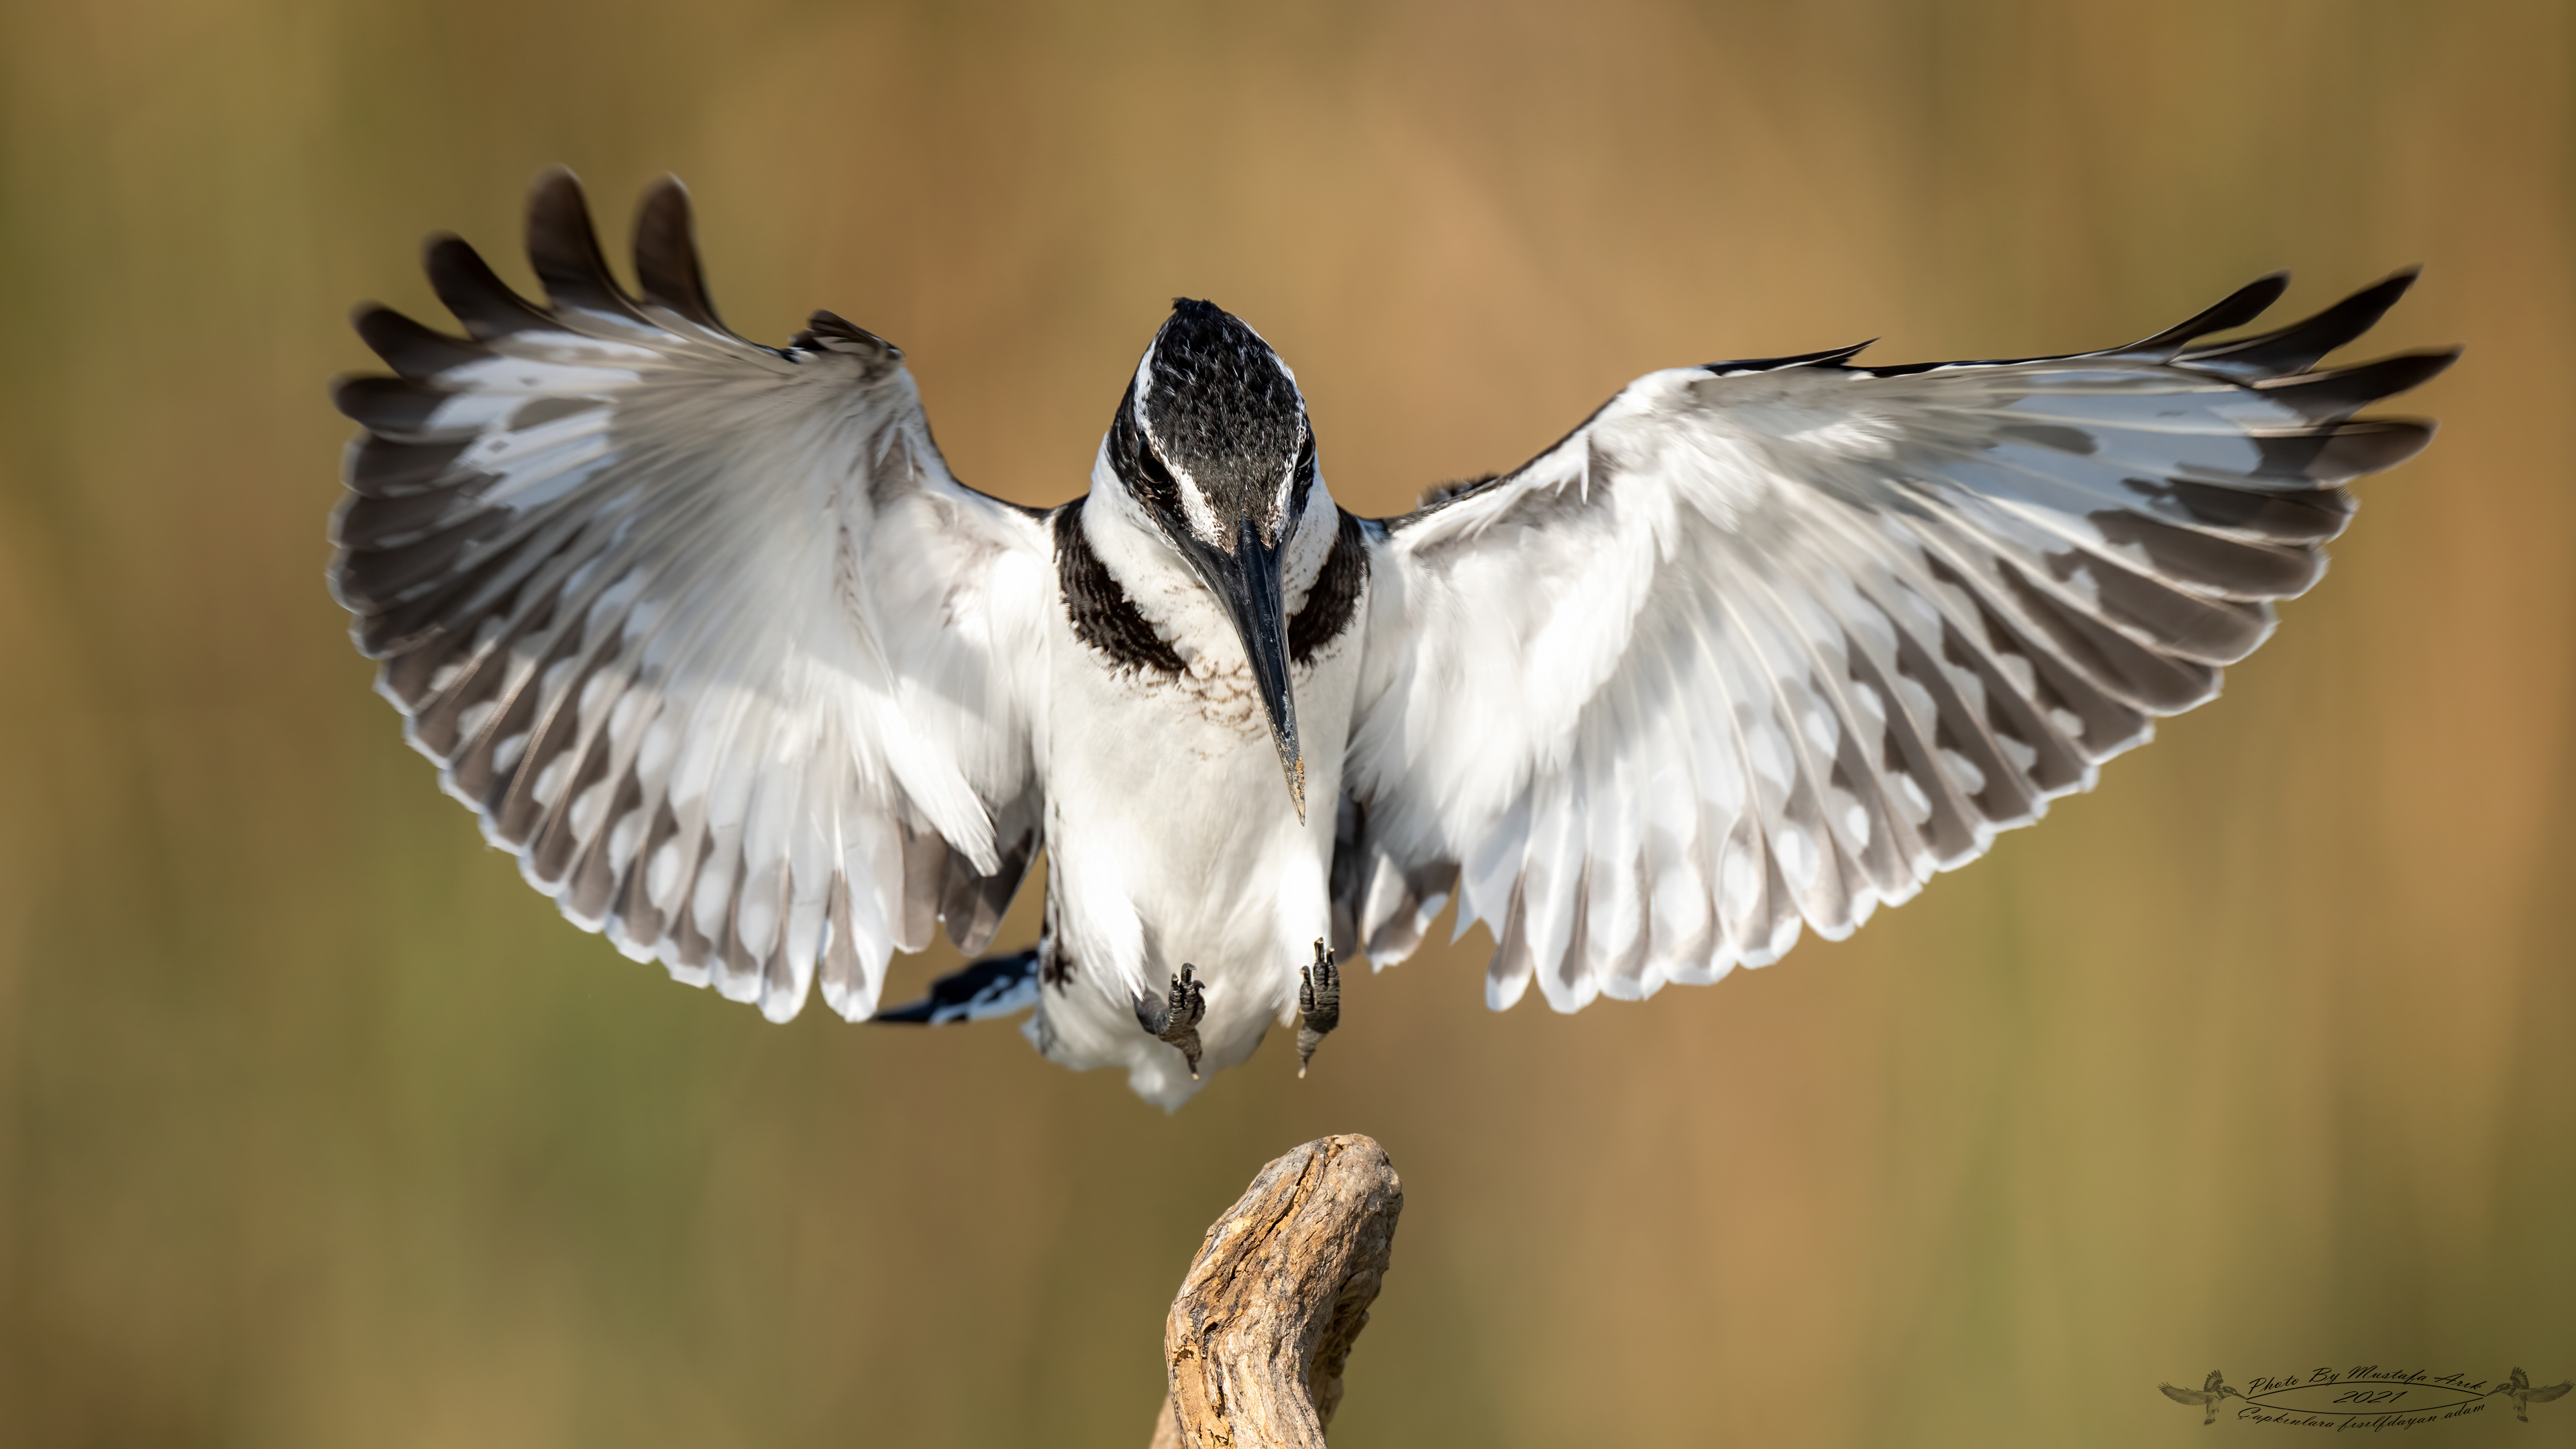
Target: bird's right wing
column 704, row 631
column 2554, row 1391
column 2183, row 1396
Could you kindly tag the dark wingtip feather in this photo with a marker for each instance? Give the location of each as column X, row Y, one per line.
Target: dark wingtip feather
column 2337, row 395
column 399, row 467
column 564, row 247
column 387, row 406
column 470, row 289
column 408, row 347
column 667, row 268
column 2391, row 442
column 1830, row 357
column 2337, row 453
column 2297, row 347
column 826, row 329
column 2233, row 310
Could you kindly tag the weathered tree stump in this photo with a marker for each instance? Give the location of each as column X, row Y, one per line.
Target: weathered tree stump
column 1257, row 1339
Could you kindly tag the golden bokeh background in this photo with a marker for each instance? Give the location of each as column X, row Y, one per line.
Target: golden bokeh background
column 317, row 1128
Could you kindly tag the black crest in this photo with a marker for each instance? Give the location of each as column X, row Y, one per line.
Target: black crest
column 1222, row 409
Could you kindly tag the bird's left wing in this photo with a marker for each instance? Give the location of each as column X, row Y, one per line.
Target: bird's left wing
column 705, row 631
column 1771, row 642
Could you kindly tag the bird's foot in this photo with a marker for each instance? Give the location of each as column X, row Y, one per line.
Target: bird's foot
column 1176, row 1021
column 1319, row 1005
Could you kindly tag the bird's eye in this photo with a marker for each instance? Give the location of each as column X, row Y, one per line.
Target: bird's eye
column 1142, row 472
column 1152, row 476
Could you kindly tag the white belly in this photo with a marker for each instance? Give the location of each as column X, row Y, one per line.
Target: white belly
column 1171, row 838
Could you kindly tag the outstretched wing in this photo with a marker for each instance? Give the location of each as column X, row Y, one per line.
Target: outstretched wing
column 2554, row 1391
column 704, row 630
column 1771, row 642
column 2184, row 1396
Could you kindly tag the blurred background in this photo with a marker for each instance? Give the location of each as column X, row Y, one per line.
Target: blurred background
column 317, row 1128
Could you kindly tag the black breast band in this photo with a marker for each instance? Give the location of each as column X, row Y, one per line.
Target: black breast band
column 1106, row 619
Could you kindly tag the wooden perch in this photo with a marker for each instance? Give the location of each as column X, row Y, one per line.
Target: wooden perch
column 1256, row 1341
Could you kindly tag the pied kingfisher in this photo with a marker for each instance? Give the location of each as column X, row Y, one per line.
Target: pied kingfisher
column 712, row 640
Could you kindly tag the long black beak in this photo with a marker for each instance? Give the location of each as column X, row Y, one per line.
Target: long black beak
column 1246, row 581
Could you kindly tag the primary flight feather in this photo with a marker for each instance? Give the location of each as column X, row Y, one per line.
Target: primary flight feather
column 711, row 639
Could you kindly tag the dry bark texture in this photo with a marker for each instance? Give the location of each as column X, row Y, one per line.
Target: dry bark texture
column 1256, row 1341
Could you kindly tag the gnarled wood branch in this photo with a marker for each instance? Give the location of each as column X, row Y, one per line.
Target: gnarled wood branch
column 1256, row 1341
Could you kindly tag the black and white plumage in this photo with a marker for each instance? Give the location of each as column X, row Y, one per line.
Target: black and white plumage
column 710, row 637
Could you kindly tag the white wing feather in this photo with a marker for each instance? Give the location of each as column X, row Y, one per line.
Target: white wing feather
column 1764, row 644
column 704, row 631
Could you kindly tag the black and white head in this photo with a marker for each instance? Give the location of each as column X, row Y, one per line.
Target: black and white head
column 1211, row 441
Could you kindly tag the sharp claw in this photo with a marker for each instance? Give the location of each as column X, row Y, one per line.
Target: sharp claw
column 1176, row 1021
column 1319, row 1004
